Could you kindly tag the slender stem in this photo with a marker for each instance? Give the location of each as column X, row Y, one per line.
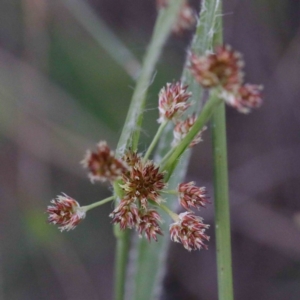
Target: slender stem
column 169, row 212
column 155, row 139
column 96, row 204
column 103, row 35
column 123, row 243
column 170, row 192
column 222, row 215
column 131, row 131
column 166, row 157
column 205, row 115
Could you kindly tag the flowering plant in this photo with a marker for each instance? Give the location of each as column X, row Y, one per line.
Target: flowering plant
column 140, row 183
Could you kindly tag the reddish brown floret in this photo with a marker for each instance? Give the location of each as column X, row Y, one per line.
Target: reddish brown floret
column 65, row 212
column 222, row 68
column 126, row 214
column 143, row 182
column 192, row 196
column 149, row 224
column 182, row 128
column 189, row 231
column 172, row 101
column 102, row 164
column 186, row 19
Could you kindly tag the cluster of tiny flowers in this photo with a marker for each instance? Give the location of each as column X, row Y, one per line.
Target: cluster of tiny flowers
column 186, row 19
column 102, row 164
column 65, row 212
column 189, row 231
column 192, row 196
column 172, row 101
column 182, row 128
column 224, row 69
column 142, row 182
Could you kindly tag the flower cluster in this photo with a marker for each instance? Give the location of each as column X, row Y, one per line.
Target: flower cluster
column 223, row 69
column 186, row 19
column 65, row 212
column 172, row 101
column 141, row 184
column 189, row 231
column 102, row 164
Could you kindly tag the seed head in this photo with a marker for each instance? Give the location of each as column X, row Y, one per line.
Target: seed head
column 149, row 224
column 222, row 68
column 143, row 182
column 189, row 231
column 102, row 164
column 172, row 101
column 186, row 19
column 182, row 128
column 65, row 212
column 192, row 196
column 126, row 214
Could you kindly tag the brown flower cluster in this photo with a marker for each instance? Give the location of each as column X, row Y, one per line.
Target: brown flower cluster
column 186, row 19
column 172, row 101
column 65, row 212
column 189, row 231
column 142, row 182
column 102, row 164
column 223, row 69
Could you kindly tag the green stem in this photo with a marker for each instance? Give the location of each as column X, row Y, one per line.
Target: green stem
column 123, row 243
column 205, row 115
column 222, row 215
column 166, row 157
column 96, row 204
column 131, row 131
column 155, row 140
column 173, row 215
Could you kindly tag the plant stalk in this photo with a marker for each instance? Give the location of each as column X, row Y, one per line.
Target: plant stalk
column 222, row 213
column 99, row 203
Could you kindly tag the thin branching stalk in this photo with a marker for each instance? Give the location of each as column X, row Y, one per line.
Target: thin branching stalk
column 222, row 214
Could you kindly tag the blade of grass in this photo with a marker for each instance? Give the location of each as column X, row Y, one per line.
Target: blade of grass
column 222, row 214
column 104, row 36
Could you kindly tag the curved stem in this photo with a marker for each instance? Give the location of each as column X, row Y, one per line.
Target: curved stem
column 155, row 140
column 99, row 203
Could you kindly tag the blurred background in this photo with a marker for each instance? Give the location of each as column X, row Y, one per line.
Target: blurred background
column 67, row 72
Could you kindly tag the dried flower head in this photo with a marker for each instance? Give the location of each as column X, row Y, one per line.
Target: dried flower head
column 143, row 182
column 102, row 164
column 192, row 196
column 222, row 68
column 131, row 158
column 189, row 231
column 126, row 214
column 149, row 224
column 172, row 101
column 186, row 19
column 181, row 130
column 65, row 212
column 245, row 98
